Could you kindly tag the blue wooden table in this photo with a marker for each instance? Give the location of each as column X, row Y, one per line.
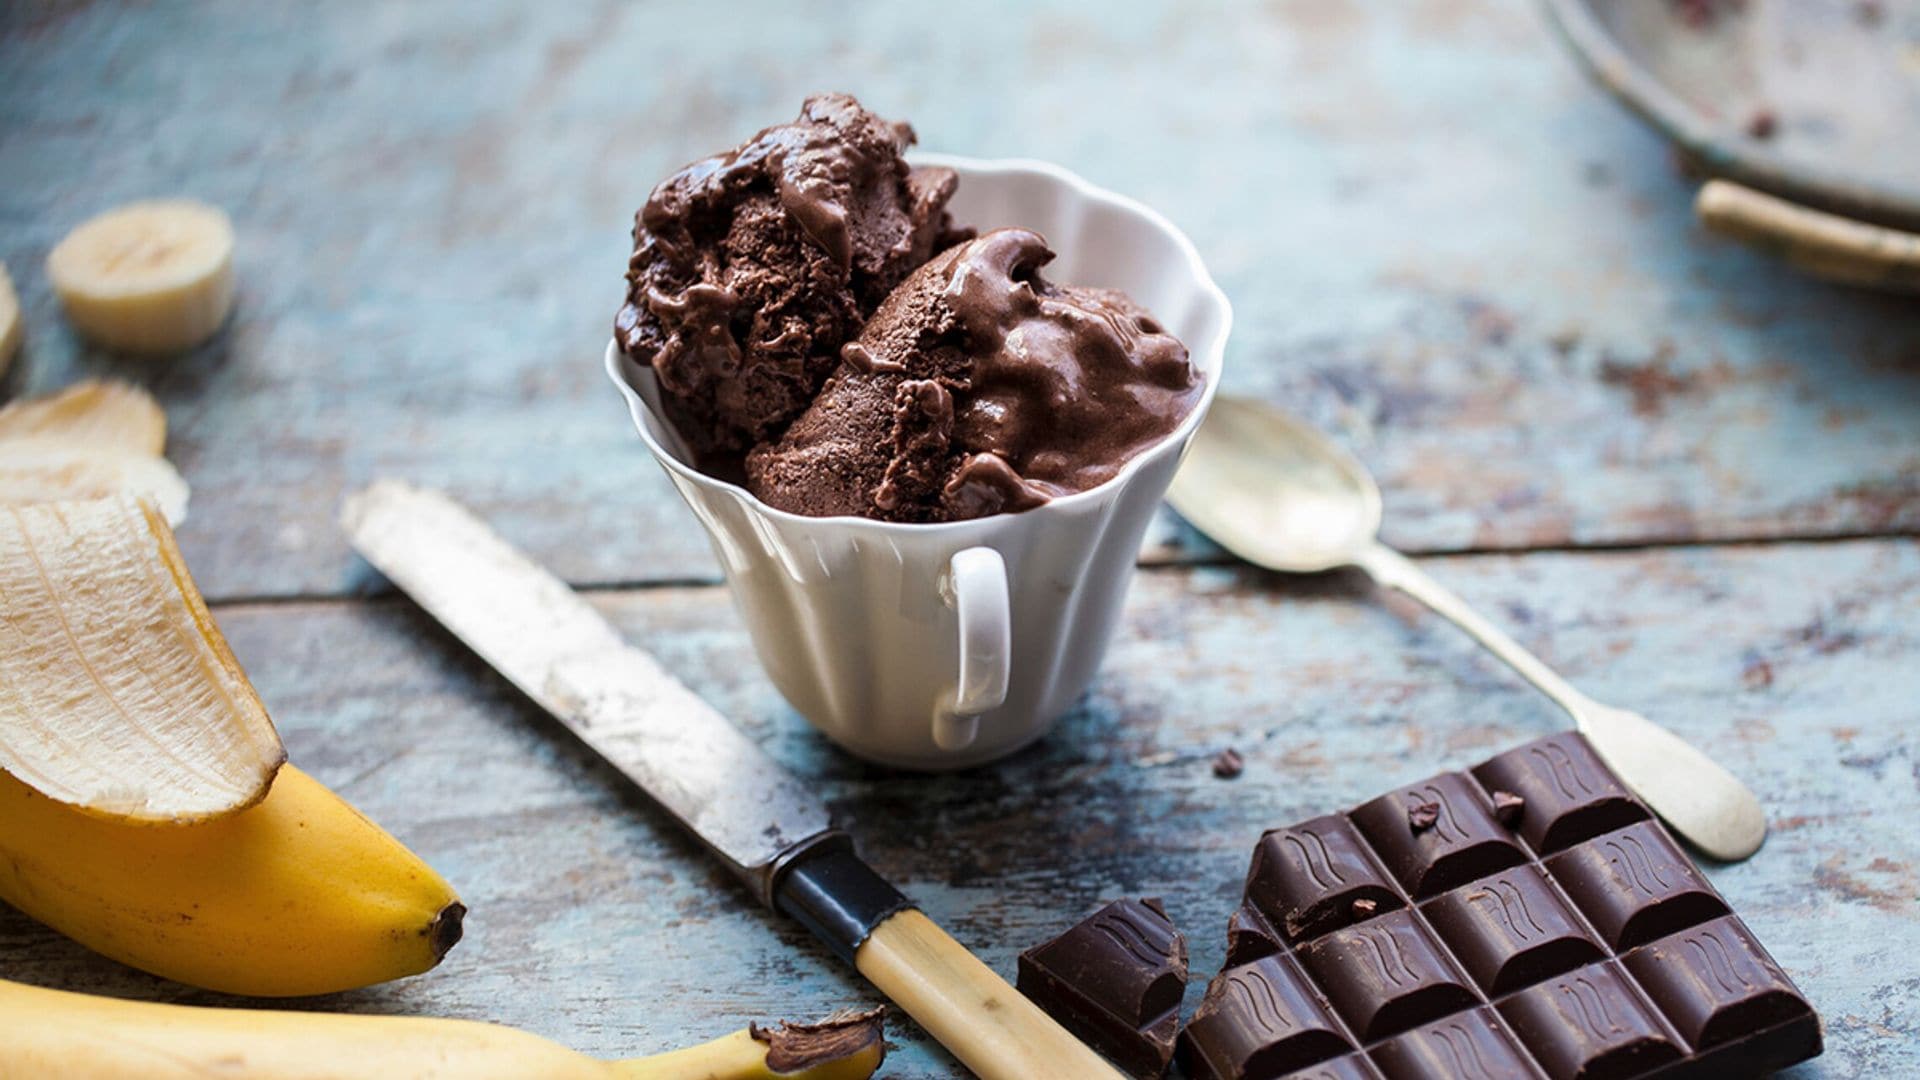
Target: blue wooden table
column 1688, row 477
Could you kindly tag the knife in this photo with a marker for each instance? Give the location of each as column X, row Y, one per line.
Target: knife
column 754, row 816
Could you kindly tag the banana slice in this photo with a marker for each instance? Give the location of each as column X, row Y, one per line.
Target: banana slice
column 118, row 695
column 94, row 414
column 45, row 470
column 149, row 277
column 12, row 329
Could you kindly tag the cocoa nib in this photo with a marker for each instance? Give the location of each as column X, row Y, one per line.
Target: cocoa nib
column 794, row 1047
column 1421, row 816
column 1507, row 808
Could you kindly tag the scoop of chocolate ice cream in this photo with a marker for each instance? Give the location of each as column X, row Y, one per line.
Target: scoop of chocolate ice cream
column 751, row 268
column 980, row 387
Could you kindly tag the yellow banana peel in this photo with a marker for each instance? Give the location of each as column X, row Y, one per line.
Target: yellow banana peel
column 298, row 894
column 82, row 1037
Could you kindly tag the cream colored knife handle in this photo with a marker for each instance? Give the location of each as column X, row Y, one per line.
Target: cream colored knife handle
column 989, row 1026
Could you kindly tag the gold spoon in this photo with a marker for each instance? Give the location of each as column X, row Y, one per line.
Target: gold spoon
column 1278, row 494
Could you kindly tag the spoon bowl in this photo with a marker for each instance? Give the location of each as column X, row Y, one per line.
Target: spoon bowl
column 1277, row 493
column 1319, row 507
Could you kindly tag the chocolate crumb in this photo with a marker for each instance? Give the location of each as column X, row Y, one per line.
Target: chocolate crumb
column 1763, row 123
column 1871, row 12
column 1364, row 908
column 1507, row 808
column 1423, row 815
column 795, row 1048
column 1229, row 764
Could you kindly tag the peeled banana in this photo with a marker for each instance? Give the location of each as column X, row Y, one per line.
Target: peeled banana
column 96, row 414
column 90, row 441
column 149, row 277
column 118, row 694
column 12, row 327
column 297, row 895
column 81, row 1037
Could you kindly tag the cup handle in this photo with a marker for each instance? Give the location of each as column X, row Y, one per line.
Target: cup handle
column 978, row 595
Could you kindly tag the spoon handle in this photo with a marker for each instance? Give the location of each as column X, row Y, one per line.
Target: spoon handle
column 1701, row 800
column 1390, row 568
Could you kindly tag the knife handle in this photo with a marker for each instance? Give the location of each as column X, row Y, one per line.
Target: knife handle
column 991, row 1027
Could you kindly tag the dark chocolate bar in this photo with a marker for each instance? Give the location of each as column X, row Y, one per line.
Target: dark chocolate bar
column 1526, row 918
column 1116, row 980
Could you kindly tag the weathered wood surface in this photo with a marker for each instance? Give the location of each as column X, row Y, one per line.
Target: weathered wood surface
column 1442, row 243
column 595, row 922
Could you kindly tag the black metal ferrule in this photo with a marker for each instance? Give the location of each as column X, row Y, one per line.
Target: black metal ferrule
column 835, row 894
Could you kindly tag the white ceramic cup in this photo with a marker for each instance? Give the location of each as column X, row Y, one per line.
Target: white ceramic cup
column 943, row 646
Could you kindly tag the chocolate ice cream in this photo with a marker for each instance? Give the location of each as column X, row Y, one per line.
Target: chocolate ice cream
column 979, row 387
column 752, row 268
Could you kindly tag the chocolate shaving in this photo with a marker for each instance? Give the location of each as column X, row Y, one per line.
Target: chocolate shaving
column 1423, row 815
column 1507, row 808
column 1229, row 764
column 793, row 1048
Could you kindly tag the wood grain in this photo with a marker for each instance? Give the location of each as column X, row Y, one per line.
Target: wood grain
column 1443, row 244
column 594, row 922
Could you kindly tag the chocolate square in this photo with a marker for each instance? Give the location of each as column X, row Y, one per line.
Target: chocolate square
column 1350, row 1067
column 1306, row 880
column 1461, row 842
column 1715, row 983
column 1635, row 885
column 1258, row 1020
column 1590, row 1025
column 1512, row 929
column 1568, row 794
column 1387, row 974
column 1473, row 1045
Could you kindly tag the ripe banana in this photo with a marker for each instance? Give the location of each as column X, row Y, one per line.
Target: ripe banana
column 299, row 894
column 91, row 413
column 90, row 441
column 148, row 277
column 57, row 470
column 118, row 694
column 81, row 1037
column 12, row 327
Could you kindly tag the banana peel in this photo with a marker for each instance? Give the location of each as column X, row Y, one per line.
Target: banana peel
column 118, row 694
column 83, row 1037
column 300, row 894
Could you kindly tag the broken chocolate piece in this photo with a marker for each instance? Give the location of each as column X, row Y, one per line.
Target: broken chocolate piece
column 1115, row 980
column 1229, row 764
column 793, row 1048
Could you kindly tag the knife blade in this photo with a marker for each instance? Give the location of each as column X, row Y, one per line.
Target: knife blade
column 548, row 641
column 757, row 818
